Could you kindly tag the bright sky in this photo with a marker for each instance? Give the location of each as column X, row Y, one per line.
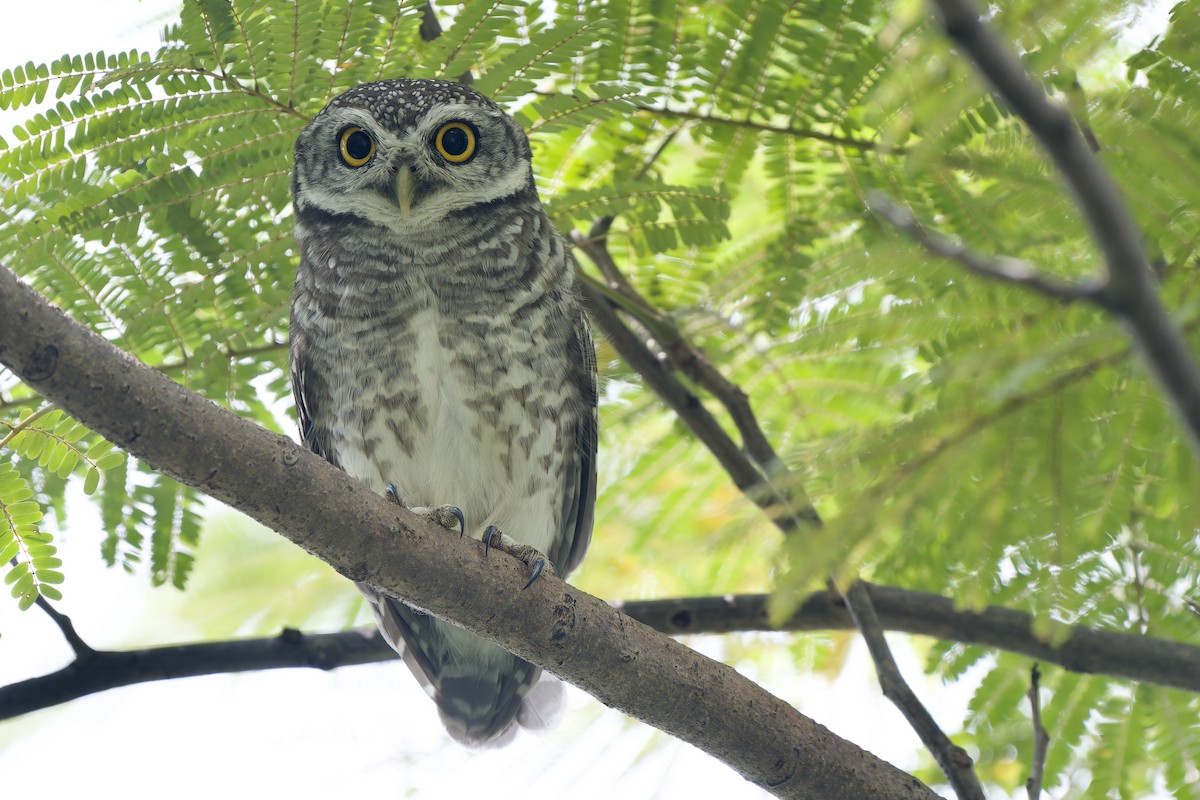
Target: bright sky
column 362, row 731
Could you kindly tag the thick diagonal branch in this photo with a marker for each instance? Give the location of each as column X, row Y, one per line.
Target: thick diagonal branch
column 367, row 539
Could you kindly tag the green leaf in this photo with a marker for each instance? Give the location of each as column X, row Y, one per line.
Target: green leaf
column 92, row 481
column 50, row 576
column 25, row 513
column 17, row 572
column 107, row 462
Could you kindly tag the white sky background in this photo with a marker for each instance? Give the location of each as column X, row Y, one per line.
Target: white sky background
column 359, row 731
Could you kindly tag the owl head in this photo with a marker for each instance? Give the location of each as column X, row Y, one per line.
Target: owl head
column 405, row 154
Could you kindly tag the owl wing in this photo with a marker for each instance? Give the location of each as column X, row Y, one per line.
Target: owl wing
column 579, row 493
column 307, row 386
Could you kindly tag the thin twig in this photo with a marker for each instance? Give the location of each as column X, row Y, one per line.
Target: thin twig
column 765, row 127
column 690, row 360
column 25, row 423
column 658, row 151
column 103, row 670
column 677, row 396
column 81, row 648
column 596, row 248
column 1130, row 289
column 785, row 130
column 775, row 489
column 1002, row 268
column 953, row 760
column 1041, row 739
column 1128, row 656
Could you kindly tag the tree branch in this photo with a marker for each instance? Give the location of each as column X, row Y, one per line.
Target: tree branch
column 1130, row 291
column 618, row 293
column 1007, row 270
column 81, row 648
column 431, row 28
column 754, row 467
column 955, row 763
column 679, row 398
column 868, row 145
column 365, row 538
column 1123, row 655
column 101, row 670
column 748, row 124
column 1086, row 650
column 1041, row 739
column 692, row 362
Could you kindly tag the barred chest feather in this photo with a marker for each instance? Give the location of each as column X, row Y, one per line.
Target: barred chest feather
column 461, row 408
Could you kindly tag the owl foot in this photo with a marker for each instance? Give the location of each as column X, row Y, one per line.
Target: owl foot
column 538, row 564
column 449, row 517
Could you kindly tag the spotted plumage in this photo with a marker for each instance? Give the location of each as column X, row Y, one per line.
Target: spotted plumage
column 438, row 344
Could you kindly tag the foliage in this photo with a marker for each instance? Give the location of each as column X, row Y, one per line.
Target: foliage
column 48, row 448
column 960, row 436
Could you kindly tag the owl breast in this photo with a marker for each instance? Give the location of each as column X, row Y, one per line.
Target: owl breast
column 457, row 412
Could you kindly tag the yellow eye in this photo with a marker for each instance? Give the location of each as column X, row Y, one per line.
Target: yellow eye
column 356, row 145
column 455, row 142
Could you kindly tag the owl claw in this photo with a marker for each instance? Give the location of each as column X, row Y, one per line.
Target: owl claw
column 537, row 563
column 449, row 517
column 536, row 568
column 458, row 515
column 446, row 516
column 491, row 532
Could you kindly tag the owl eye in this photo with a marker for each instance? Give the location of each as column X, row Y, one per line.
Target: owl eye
column 455, row 142
column 356, row 145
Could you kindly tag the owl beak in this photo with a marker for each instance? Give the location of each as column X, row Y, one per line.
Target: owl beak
column 404, row 191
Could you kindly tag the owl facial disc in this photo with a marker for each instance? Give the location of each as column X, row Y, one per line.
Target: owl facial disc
column 413, row 157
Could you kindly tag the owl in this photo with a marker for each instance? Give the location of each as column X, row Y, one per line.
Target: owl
column 440, row 352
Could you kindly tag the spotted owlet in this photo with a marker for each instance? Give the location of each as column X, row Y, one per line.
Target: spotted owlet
column 440, row 352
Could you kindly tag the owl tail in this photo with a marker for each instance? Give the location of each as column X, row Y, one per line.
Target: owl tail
column 483, row 692
column 472, row 717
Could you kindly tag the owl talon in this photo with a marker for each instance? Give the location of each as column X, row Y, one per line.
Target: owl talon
column 449, row 517
column 491, row 533
column 537, row 563
column 458, row 515
column 393, row 494
column 537, row 568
